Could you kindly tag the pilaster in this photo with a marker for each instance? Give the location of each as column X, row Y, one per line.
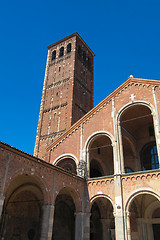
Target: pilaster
column 118, row 209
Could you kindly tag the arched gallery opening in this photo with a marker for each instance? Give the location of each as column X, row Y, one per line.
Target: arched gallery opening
column 102, row 225
column 64, row 216
column 68, row 164
column 144, row 214
column 100, row 154
column 21, row 218
column 138, row 139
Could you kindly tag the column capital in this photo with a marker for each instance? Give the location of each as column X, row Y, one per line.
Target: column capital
column 82, row 214
column 48, row 205
column 2, row 197
column 127, row 213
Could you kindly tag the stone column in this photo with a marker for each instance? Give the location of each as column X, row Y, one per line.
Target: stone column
column 1, row 204
column 105, row 228
column 119, row 227
column 47, row 222
column 156, row 124
column 120, row 148
column 82, row 226
column 141, row 229
column 149, row 230
column 78, row 225
column 128, row 227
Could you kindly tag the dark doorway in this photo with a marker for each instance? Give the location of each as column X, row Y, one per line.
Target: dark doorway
column 156, row 231
column 64, row 218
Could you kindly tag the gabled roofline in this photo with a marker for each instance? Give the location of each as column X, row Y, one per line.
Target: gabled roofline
column 37, row 160
column 108, row 98
column 70, row 36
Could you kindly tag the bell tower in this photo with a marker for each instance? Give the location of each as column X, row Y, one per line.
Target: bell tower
column 67, row 90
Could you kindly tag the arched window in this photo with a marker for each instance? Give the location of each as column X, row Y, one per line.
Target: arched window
column 69, row 47
column 54, row 55
column 61, row 51
column 128, row 170
column 149, row 157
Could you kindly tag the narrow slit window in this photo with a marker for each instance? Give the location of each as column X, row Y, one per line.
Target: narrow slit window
column 54, row 55
column 69, row 48
column 61, row 52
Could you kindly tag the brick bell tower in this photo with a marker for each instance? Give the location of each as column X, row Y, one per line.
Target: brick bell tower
column 67, row 90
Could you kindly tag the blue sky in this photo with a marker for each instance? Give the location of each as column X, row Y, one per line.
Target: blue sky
column 124, row 35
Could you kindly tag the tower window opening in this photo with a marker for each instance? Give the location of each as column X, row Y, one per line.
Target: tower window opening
column 61, row 52
column 69, row 47
column 54, row 55
column 59, row 69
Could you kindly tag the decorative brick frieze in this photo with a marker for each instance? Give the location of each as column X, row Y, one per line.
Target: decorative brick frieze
column 55, row 107
column 58, row 83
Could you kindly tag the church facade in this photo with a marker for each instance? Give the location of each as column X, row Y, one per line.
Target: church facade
column 95, row 171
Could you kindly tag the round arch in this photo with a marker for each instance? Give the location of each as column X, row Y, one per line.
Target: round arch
column 144, row 116
column 151, row 208
column 63, row 156
column 95, row 134
column 22, row 210
column 72, row 162
column 94, row 198
column 102, row 224
column 137, row 193
column 130, row 104
column 64, row 214
column 75, row 196
column 36, row 178
column 139, row 210
column 99, row 154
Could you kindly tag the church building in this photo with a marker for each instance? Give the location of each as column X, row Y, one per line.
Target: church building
column 95, row 171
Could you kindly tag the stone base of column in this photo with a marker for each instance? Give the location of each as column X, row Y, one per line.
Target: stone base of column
column 119, row 227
